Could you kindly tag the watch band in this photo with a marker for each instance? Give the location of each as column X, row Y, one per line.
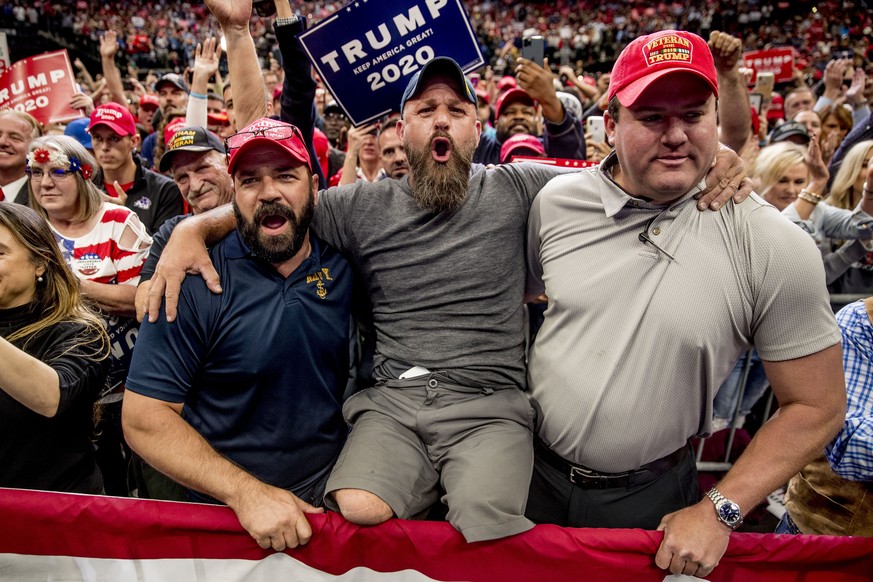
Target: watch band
column 724, row 507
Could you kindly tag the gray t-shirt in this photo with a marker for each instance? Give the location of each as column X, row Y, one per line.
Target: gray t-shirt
column 637, row 338
column 447, row 289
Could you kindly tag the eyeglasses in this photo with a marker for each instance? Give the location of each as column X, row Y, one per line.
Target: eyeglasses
column 56, row 174
column 335, row 116
column 278, row 133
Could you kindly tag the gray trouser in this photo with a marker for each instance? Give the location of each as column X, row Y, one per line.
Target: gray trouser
column 409, row 436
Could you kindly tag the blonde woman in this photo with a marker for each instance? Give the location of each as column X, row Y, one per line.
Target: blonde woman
column 54, row 352
column 105, row 246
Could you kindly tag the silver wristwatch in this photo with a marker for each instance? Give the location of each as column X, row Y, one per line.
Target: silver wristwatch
column 726, row 510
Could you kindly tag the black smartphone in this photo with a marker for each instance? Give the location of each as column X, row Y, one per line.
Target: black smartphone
column 533, row 48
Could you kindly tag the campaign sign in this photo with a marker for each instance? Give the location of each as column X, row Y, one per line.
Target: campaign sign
column 41, row 85
column 4, row 53
column 367, row 51
column 779, row 61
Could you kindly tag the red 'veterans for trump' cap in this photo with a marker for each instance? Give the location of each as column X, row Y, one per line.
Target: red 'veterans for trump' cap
column 650, row 57
column 267, row 131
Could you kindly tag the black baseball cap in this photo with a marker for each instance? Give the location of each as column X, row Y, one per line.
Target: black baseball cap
column 440, row 65
column 172, row 79
column 333, row 107
column 192, row 138
column 789, row 130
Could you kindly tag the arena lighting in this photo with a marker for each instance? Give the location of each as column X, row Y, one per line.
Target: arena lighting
column 814, row 10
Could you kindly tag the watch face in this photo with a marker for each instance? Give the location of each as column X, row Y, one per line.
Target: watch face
column 730, row 512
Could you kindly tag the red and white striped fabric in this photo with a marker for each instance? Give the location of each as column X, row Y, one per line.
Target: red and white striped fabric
column 58, row 536
column 100, row 256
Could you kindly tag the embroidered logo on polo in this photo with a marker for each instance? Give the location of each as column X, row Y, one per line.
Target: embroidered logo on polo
column 319, row 277
column 88, row 264
column 669, row 47
column 143, row 203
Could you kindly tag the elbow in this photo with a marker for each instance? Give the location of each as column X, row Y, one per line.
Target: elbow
column 835, row 416
column 48, row 409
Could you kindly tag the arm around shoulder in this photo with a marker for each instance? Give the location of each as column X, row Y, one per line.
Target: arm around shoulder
column 186, row 253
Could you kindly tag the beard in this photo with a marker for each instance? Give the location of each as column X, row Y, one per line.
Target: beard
column 436, row 186
column 279, row 248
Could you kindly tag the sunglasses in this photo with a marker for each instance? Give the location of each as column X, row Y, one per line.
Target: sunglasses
column 278, row 133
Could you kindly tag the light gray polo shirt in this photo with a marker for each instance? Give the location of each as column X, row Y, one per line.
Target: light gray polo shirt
column 637, row 339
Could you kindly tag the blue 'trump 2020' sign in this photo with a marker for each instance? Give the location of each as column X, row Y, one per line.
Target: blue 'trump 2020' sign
column 367, row 51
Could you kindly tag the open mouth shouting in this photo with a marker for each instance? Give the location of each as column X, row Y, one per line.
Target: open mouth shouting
column 441, row 149
column 272, row 218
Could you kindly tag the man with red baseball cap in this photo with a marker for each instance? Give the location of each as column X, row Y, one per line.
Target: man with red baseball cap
column 239, row 399
column 154, row 198
column 651, row 303
column 148, row 105
column 533, row 107
column 521, row 144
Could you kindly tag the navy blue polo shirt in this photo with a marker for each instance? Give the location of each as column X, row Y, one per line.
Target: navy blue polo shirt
column 261, row 368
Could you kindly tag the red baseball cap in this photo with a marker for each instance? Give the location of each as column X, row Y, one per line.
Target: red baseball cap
column 776, row 110
column 483, row 95
column 114, row 116
column 149, row 102
column 513, row 96
column 507, row 82
column 521, row 141
column 267, row 131
column 650, row 57
column 173, row 127
column 218, row 118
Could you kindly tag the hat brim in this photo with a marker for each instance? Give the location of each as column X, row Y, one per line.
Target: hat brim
column 515, row 95
column 163, row 82
column 629, row 94
column 440, row 66
column 244, row 149
column 167, row 158
column 113, row 126
column 785, row 136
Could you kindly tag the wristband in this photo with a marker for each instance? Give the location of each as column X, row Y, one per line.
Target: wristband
column 197, row 95
column 809, row 197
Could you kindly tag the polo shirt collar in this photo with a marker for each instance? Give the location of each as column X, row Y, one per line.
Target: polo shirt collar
column 615, row 198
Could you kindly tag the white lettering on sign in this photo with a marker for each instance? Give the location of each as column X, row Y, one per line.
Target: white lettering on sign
column 403, row 23
column 32, row 82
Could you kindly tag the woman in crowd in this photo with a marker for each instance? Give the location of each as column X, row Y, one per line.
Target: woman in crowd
column 836, row 121
column 847, row 191
column 54, row 352
column 793, row 179
column 105, row 246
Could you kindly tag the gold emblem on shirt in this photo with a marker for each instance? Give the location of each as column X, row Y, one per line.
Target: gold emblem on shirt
column 319, row 277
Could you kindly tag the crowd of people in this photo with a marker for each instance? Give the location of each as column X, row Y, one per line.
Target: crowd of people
column 354, row 338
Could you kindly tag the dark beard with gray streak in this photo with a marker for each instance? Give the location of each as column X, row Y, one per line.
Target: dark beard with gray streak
column 439, row 187
column 275, row 249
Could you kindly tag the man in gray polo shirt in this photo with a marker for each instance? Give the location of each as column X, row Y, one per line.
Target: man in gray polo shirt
column 650, row 304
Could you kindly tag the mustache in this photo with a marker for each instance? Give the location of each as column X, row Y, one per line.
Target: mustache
column 272, row 209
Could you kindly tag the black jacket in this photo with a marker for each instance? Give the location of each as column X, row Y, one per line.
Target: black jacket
column 154, row 197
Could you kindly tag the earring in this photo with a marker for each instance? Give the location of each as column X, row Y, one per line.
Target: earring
column 39, row 279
